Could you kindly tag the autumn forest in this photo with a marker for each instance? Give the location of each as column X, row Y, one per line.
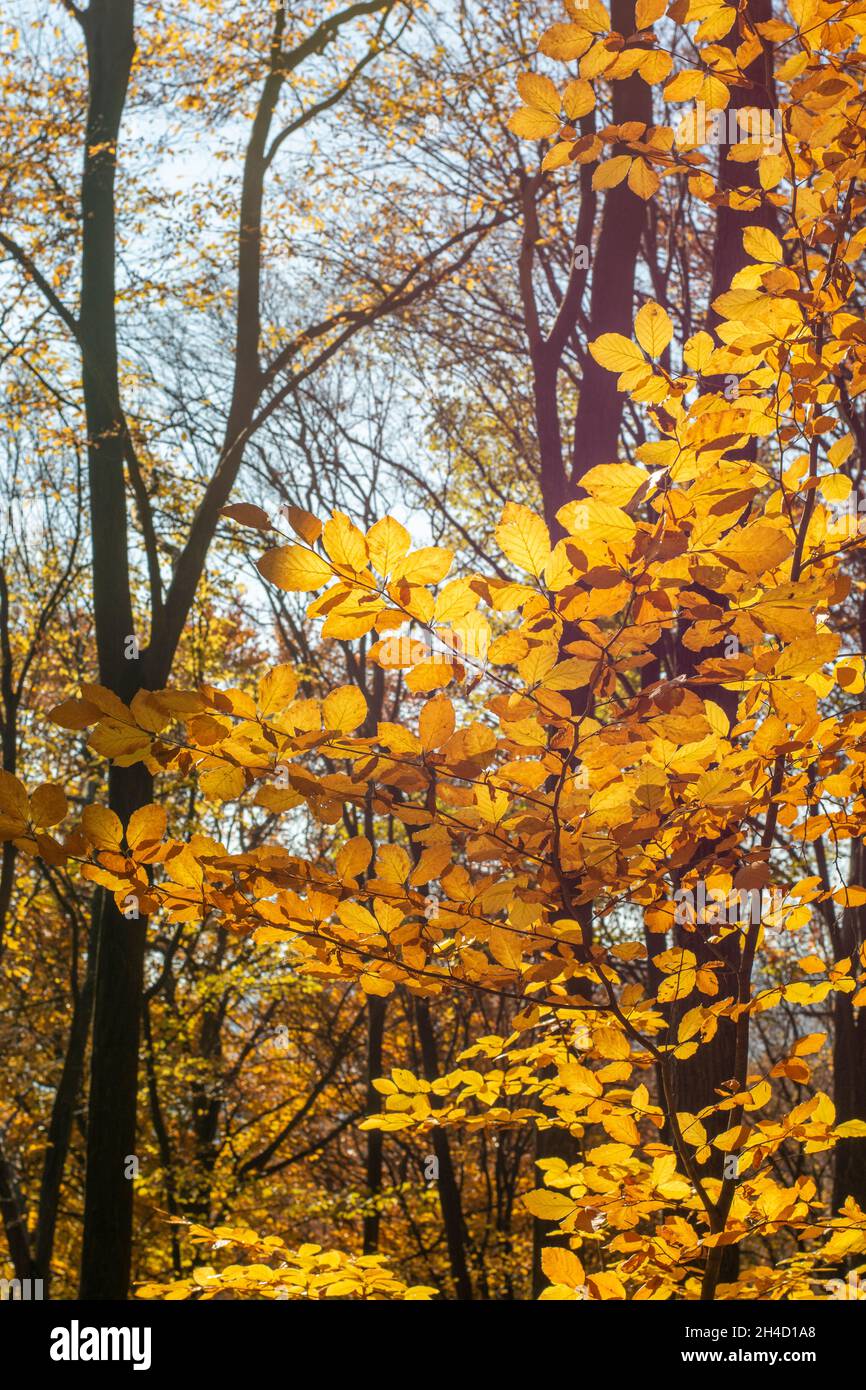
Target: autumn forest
column 433, row 651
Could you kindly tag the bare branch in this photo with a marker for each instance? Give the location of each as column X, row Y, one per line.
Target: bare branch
column 31, row 270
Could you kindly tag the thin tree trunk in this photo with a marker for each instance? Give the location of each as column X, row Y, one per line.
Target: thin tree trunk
column 599, row 411
column 849, row 1055
column 107, row 1244
column 697, row 1079
column 375, row 1037
column 449, row 1192
column 13, row 1213
column 66, row 1100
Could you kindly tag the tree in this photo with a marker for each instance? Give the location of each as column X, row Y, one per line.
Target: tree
column 566, row 826
column 262, row 380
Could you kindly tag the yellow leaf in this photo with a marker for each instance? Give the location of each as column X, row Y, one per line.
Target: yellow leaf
column 48, row 805
column 579, row 1080
column 304, row 524
column 698, row 350
column 772, row 168
column 223, row 783
column 716, row 25
column 646, row 12
column 436, row 723
column 149, row 712
column 853, row 896
column 344, row 709
column 562, row 1266
column 146, row 826
column 614, row 483
column 622, row 1128
column 454, row 601
column 387, row 543
column 691, row 1129
column 119, row 742
column 371, row 984
column 653, row 329
column 677, row 986
column 294, row 568
column 756, row 549
column 248, row 515
column 804, row 657
column 605, row 1285
column 277, row 689
column 589, row 14
column 716, row 718
column 674, row 959
column 851, row 1129
column 611, row 1043
column 611, row 171
column 714, row 93
column 529, row 124
column 505, row 948
column 426, row 566
column 599, row 518
column 406, row 1080
column 548, row 1206
column 539, row 92
column 344, row 543
column 429, row 675
column 354, row 857
column 813, row 965
column 102, row 827
column 578, row 99
column 13, row 799
column 74, row 714
column 655, row 66
column 358, row 919
column 557, row 155
column 565, row 41
column 524, row 538
column 432, row 864
column 616, row 353
column 105, row 700
column 643, row 180
column 684, row 86
column 762, row 245
column 277, row 799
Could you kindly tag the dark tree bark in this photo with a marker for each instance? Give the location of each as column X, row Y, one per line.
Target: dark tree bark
column 106, row 1250
column 599, row 411
column 697, row 1079
column 108, row 27
column 849, row 1054
column 67, row 1100
column 728, row 254
column 449, row 1192
column 13, row 1213
column 598, row 418
column 375, row 1037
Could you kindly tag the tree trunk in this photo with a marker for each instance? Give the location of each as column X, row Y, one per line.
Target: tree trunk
column 63, row 1109
column 449, row 1192
column 599, row 411
column 849, row 1055
column 107, row 1242
column 375, row 1036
